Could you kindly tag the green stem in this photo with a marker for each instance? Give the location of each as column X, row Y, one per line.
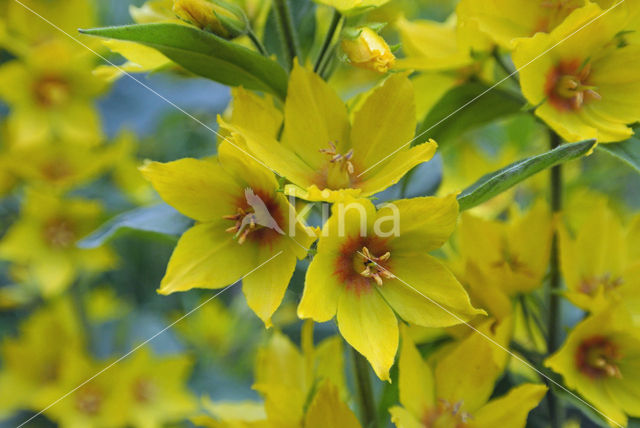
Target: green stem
column 503, row 65
column 365, row 392
column 257, row 43
column 556, row 412
column 335, row 21
column 77, row 294
column 287, row 32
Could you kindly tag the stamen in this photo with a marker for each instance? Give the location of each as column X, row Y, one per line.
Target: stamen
column 245, row 224
column 343, row 159
column 373, row 269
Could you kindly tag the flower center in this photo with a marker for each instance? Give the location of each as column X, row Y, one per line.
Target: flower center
column 597, row 357
column 555, row 12
column 340, row 169
column 144, row 390
column 59, row 233
column 446, row 415
column 373, row 267
column 567, row 86
column 89, row 400
column 257, row 216
column 51, row 91
column 592, row 284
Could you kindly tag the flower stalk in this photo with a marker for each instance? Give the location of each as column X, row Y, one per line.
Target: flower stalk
column 555, row 316
column 288, row 33
column 364, row 390
column 326, row 44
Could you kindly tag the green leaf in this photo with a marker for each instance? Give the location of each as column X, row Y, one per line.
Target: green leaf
column 160, row 218
column 497, row 182
column 627, row 151
column 466, row 107
column 205, row 54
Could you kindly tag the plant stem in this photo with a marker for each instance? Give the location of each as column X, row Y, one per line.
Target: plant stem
column 503, row 65
column 257, row 43
column 77, row 293
column 335, row 21
column 287, row 32
column 365, row 392
column 553, row 339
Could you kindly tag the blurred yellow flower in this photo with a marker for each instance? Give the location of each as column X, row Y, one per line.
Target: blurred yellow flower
column 223, row 19
column 600, row 361
column 324, row 155
column 152, row 389
column 368, row 50
column 352, row 7
column 456, row 391
column 583, row 86
column 44, row 240
column 353, row 275
column 597, row 261
column 51, row 94
column 514, row 255
column 242, row 223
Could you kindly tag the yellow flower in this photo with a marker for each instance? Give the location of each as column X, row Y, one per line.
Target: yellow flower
column 513, row 254
column 51, row 93
column 369, row 50
column 32, row 362
column 431, row 45
column 125, row 172
column 153, row 389
column 44, row 240
column 597, row 262
column 328, row 410
column 507, row 20
column 324, row 155
column 94, row 404
column 228, row 414
column 599, row 360
column 352, row 7
column 242, row 222
column 456, row 391
column 584, row 86
column 364, row 271
column 58, row 166
column 287, row 377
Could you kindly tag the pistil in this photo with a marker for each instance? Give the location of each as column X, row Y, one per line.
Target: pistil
column 373, row 268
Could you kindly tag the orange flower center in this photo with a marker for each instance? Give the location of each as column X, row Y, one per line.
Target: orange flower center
column 144, row 390
column 257, row 218
column 591, row 285
column 51, row 91
column 59, row 233
column 567, row 86
column 597, row 358
column 89, row 400
column 363, row 262
column 446, row 415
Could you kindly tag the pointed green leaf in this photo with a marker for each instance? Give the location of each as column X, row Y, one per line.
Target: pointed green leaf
column 497, row 182
column 205, row 54
column 627, row 151
column 160, row 218
column 466, row 107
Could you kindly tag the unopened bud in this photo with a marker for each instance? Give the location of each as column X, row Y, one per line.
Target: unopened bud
column 369, row 50
column 219, row 17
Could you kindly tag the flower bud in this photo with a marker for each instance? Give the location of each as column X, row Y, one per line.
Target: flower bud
column 221, row 18
column 369, row 50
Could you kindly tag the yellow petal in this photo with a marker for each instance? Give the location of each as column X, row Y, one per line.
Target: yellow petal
column 415, row 378
column 328, row 410
column 385, row 122
column 198, row 189
column 265, row 287
column 314, row 116
column 208, row 257
column 321, row 287
column 510, row 410
column 425, row 292
column 250, row 111
column 368, row 324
